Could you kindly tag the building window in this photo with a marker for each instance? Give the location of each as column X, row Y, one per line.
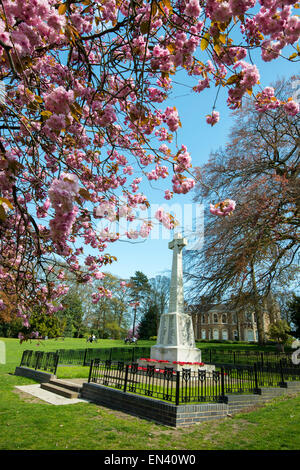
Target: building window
column 216, row 334
column 215, row 318
column 203, row 334
column 235, row 335
column 203, row 318
column 224, row 334
column 234, row 318
column 224, row 318
column 250, row 335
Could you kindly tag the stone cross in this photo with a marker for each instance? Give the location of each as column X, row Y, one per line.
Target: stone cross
column 176, row 302
column 175, row 338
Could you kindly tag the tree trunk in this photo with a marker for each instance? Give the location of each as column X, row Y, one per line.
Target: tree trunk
column 134, row 320
column 257, row 309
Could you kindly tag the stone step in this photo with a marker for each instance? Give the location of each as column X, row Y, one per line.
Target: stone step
column 270, row 395
column 293, row 385
column 272, row 390
column 243, row 404
column 66, row 384
column 59, row 390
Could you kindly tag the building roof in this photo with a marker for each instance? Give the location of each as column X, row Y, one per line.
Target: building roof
column 218, row 308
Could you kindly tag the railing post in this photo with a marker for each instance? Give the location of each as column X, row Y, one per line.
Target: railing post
column 282, row 383
column 56, row 359
column 222, row 384
column 84, row 359
column 91, row 368
column 126, row 377
column 177, row 387
column 23, row 356
column 256, row 389
column 37, row 361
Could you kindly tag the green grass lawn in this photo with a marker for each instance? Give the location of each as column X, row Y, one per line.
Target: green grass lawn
column 14, row 348
column 27, row 423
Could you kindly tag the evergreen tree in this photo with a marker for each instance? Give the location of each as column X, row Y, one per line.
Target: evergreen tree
column 147, row 327
column 139, row 290
column 68, row 331
column 280, row 331
column 45, row 325
column 294, row 309
column 73, row 313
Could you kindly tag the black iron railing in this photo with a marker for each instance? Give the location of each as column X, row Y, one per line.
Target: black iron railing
column 132, row 378
column 239, row 379
column 209, row 356
column 200, row 386
column 279, row 374
column 72, row 356
column 243, row 357
column 187, row 386
column 165, row 384
column 85, row 356
column 40, row 360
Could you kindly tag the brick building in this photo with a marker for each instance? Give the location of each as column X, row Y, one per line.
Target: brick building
column 223, row 322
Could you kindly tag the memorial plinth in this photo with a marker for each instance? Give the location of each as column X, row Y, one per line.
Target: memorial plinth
column 175, row 341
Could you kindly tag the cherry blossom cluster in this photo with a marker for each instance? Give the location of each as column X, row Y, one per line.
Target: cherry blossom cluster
column 62, row 194
column 247, row 79
column 266, row 100
column 165, row 218
column 223, row 208
column 213, row 118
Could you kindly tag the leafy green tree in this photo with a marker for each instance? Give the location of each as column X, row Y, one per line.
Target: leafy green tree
column 147, row 326
column 46, row 325
column 109, row 310
column 113, row 330
column 294, row 310
column 280, row 331
column 153, row 297
column 139, row 287
column 73, row 313
column 10, row 329
column 69, row 330
column 159, row 296
column 139, row 290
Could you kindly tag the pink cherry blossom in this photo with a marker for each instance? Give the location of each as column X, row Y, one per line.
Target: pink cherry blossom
column 168, row 194
column 166, row 219
column 171, row 117
column 193, row 8
column 292, row 108
column 223, row 208
column 213, row 118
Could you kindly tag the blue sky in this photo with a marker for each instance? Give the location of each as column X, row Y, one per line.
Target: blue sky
column 153, row 256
